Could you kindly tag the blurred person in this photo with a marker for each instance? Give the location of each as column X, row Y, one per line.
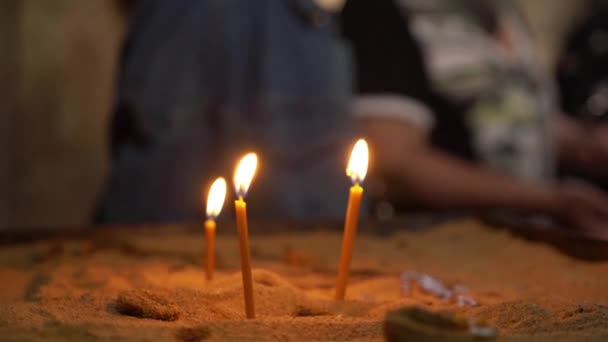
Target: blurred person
column 460, row 115
column 204, row 81
column 582, row 75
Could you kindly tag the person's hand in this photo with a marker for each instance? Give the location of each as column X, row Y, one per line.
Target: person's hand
column 583, row 206
column 583, row 147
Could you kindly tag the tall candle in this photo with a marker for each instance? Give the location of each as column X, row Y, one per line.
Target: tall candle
column 210, row 227
column 357, row 169
column 242, row 179
column 215, row 202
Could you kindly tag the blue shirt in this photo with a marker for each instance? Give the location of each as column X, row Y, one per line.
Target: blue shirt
column 203, row 82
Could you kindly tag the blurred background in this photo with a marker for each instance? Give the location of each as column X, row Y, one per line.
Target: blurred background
column 59, row 69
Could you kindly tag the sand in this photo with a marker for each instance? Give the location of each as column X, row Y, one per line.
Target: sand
column 149, row 284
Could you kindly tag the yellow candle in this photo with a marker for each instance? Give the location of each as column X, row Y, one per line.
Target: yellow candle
column 241, row 224
column 210, row 234
column 242, row 179
column 357, row 169
column 348, row 240
column 215, row 202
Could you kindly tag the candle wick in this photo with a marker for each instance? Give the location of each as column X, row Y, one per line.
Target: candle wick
column 241, row 198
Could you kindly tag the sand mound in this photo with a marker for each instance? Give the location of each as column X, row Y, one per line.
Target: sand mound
column 151, row 286
column 222, row 299
column 147, row 303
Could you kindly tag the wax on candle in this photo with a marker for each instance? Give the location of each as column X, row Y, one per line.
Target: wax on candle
column 357, row 169
column 242, row 179
column 348, row 240
column 210, row 238
column 215, row 201
column 241, row 223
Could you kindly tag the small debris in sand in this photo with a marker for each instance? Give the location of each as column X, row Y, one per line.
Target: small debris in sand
column 435, row 287
column 417, row 324
column 146, row 304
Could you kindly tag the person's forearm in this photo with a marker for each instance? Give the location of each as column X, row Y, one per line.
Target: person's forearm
column 584, row 149
column 431, row 177
column 438, row 180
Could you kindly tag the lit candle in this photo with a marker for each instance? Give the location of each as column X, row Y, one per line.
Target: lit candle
column 356, row 170
column 242, row 179
column 215, row 201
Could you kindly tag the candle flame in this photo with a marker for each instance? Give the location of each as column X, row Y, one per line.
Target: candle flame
column 215, row 199
column 244, row 173
column 357, row 165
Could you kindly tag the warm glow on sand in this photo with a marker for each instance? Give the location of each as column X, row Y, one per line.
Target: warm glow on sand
column 215, row 199
column 357, row 165
column 244, row 173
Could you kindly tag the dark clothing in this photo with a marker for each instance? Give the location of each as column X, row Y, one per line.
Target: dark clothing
column 582, row 75
column 204, row 81
column 389, row 60
column 583, row 68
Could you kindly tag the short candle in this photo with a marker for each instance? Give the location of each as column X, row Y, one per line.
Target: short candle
column 215, row 202
column 243, row 175
column 356, row 170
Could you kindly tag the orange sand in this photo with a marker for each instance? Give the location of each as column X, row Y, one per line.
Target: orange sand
column 76, row 290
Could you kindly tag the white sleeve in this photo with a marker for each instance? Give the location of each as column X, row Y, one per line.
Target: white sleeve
column 394, row 107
